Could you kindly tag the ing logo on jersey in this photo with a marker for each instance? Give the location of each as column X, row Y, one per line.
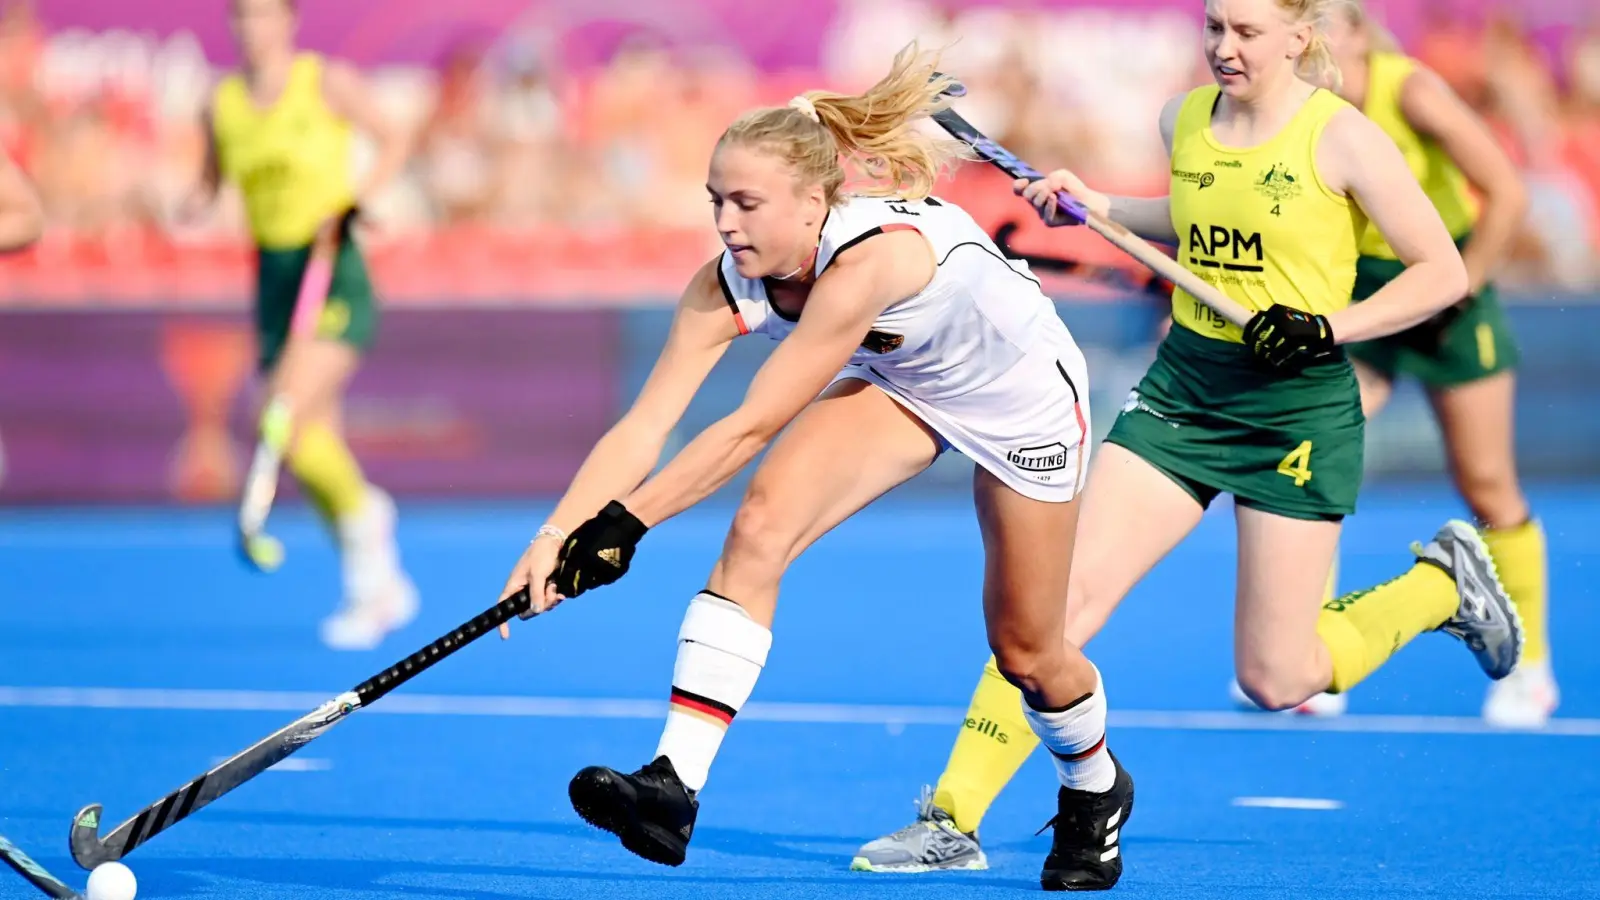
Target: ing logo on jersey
column 1278, row 184
column 1203, row 179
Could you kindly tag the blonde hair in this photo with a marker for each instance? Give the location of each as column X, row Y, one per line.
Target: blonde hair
column 1379, row 38
column 1316, row 64
column 818, row 132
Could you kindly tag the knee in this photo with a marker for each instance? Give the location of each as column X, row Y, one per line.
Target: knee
column 1274, row 688
column 1028, row 664
column 759, row 538
column 1493, row 495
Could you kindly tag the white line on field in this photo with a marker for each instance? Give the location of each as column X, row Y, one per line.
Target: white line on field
column 1314, row 803
column 298, row 702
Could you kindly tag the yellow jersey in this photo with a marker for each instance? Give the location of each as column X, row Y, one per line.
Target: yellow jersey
column 1257, row 222
column 291, row 160
column 1439, row 176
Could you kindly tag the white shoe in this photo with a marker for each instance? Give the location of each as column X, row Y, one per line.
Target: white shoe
column 1319, row 705
column 1524, row 699
column 379, row 597
column 363, row 625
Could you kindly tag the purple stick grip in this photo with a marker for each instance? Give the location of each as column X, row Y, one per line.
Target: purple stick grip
column 1069, row 205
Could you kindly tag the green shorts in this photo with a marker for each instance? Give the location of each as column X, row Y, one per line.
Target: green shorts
column 1477, row 344
column 1212, row 420
column 350, row 314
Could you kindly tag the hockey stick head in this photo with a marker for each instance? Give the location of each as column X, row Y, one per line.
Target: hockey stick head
column 37, row 875
column 88, row 850
column 953, row 88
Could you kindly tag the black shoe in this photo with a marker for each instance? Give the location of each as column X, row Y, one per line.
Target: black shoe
column 650, row 810
column 1086, row 854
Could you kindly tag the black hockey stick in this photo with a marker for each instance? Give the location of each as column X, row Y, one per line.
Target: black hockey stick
column 36, row 874
column 90, row 850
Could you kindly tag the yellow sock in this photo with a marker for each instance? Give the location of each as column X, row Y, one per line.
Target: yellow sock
column 1364, row 628
column 995, row 739
column 328, row 473
column 1519, row 554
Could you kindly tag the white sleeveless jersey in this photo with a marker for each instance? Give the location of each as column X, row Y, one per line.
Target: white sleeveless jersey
column 977, row 317
column 979, row 354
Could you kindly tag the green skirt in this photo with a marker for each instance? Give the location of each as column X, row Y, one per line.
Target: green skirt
column 350, row 314
column 1477, row 344
column 1209, row 417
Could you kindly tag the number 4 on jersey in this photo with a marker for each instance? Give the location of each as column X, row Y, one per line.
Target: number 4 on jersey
column 1297, row 464
column 1277, row 209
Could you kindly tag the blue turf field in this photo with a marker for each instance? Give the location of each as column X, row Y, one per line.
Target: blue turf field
column 408, row 801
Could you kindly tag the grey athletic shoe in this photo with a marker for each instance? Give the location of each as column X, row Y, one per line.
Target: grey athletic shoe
column 930, row 844
column 1487, row 620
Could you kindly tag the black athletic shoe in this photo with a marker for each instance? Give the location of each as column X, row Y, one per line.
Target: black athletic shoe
column 1086, row 854
column 650, row 810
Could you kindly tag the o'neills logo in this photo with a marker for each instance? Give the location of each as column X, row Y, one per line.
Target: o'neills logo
column 988, row 729
column 1047, row 458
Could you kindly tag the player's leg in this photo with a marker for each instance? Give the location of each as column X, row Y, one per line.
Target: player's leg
column 1025, row 611
column 1374, row 368
column 1279, row 659
column 1287, row 649
column 848, row 448
column 1133, row 515
column 311, row 377
column 1468, row 368
column 1476, row 421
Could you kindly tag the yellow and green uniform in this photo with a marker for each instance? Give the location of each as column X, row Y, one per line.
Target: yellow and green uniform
column 1260, row 225
column 1478, row 342
column 292, row 162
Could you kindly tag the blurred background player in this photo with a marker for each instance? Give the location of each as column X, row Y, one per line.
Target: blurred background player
column 281, row 128
column 1466, row 356
column 1277, row 162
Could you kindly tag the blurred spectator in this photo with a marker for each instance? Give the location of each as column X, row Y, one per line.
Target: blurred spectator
column 508, row 141
column 453, row 153
column 528, row 134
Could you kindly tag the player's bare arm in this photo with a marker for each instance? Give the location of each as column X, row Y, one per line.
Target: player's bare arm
column 1435, row 111
column 855, row 288
column 1357, row 159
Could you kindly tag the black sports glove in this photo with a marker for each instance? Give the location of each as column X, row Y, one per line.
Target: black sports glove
column 598, row 551
column 1427, row 335
column 1288, row 339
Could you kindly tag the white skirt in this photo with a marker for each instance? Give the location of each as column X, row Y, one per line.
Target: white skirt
column 1029, row 427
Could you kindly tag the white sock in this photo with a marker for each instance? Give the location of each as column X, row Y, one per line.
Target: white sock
column 721, row 651
column 1076, row 739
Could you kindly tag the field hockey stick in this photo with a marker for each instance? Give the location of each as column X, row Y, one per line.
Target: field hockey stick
column 1122, row 238
column 276, row 427
column 37, row 875
column 90, row 850
column 1106, row 275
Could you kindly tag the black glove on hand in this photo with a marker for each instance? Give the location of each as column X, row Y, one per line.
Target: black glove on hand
column 1427, row 335
column 598, row 551
column 1288, row 339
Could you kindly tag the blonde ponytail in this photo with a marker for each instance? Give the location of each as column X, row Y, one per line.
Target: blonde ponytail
column 1316, row 63
column 1379, row 38
column 819, row 130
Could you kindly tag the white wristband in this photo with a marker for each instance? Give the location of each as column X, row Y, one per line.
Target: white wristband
column 548, row 530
